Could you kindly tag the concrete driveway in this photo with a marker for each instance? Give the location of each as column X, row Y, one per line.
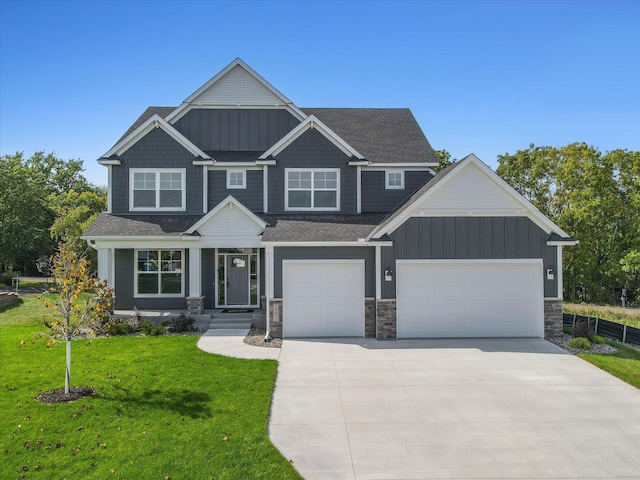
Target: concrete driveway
column 486, row 408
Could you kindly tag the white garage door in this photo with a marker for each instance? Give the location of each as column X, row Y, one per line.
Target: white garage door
column 323, row 298
column 470, row 299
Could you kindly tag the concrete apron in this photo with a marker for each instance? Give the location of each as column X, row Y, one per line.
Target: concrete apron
column 476, row 408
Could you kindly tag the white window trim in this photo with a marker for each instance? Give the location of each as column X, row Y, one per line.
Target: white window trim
column 157, row 295
column 157, row 171
column 393, row 187
column 244, row 179
column 311, row 209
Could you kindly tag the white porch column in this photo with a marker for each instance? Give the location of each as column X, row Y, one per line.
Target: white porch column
column 268, row 281
column 104, row 265
column 195, row 258
column 559, row 271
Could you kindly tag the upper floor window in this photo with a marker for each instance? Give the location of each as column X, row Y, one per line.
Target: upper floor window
column 394, row 179
column 157, row 189
column 312, row 189
column 236, row 179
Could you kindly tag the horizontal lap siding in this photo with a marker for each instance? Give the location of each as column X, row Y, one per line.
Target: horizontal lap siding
column 465, row 238
column 156, row 150
column 312, row 150
column 325, row 253
column 376, row 198
column 235, row 129
column 251, row 197
column 125, row 284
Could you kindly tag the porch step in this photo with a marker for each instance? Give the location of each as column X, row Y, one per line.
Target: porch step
column 239, row 323
column 221, row 320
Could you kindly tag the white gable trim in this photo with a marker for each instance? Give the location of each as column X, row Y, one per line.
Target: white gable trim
column 192, row 100
column 528, row 209
column 311, row 122
column 155, row 121
column 229, row 200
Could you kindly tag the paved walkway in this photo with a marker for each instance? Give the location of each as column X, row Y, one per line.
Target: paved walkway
column 231, row 344
column 484, row 408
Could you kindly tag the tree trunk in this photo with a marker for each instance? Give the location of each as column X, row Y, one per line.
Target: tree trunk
column 67, row 376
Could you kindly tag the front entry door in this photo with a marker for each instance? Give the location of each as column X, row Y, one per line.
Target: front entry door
column 237, row 292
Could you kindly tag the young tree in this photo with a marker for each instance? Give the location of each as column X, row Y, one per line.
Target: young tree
column 79, row 314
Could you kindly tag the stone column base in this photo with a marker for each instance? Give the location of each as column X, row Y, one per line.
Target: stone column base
column 195, row 305
column 275, row 317
column 370, row 318
column 386, row 324
column 552, row 317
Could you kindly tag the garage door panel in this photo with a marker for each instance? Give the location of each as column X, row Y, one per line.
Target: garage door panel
column 469, row 299
column 323, row 299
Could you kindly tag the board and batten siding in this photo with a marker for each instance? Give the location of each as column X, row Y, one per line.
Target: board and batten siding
column 325, row 253
column 156, row 150
column 376, row 198
column 312, row 150
column 235, row 129
column 466, row 238
column 251, row 197
column 125, row 281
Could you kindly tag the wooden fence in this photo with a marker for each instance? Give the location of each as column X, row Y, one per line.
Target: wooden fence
column 605, row 328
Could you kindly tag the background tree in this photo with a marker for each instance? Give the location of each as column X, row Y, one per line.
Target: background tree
column 80, row 315
column 445, row 160
column 593, row 197
column 42, row 198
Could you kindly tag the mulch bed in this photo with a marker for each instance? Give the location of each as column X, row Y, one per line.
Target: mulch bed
column 58, row 396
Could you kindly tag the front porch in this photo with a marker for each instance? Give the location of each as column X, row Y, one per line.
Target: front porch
column 217, row 318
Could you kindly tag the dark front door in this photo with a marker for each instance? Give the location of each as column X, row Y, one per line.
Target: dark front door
column 237, row 292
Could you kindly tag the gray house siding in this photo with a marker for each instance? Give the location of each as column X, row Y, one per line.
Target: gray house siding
column 124, row 279
column 312, row 150
column 251, row 197
column 235, row 129
column 156, row 150
column 463, row 238
column 325, row 253
column 208, row 277
column 375, row 198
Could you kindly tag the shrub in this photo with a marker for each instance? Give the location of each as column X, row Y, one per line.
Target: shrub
column 182, row 323
column 136, row 319
column 580, row 342
column 119, row 326
column 582, row 330
column 598, row 340
column 150, row 328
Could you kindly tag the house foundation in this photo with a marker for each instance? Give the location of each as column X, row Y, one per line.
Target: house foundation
column 386, row 323
column 552, row 317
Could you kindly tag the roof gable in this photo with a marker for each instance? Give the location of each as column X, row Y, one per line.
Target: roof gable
column 155, row 121
column 466, row 188
column 311, row 122
column 236, row 85
column 229, row 219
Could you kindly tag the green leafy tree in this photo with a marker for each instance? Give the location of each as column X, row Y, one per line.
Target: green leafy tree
column 81, row 302
column 445, row 160
column 594, row 197
column 75, row 211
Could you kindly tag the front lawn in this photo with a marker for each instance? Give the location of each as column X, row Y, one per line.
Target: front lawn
column 624, row 364
column 162, row 409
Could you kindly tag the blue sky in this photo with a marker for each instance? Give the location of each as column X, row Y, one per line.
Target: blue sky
column 481, row 77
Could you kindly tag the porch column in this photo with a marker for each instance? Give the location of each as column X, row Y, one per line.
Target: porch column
column 195, row 300
column 105, row 269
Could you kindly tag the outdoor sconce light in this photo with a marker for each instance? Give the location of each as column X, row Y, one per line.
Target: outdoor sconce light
column 388, row 274
column 550, row 273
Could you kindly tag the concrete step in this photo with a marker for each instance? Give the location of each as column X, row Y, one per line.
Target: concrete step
column 236, row 324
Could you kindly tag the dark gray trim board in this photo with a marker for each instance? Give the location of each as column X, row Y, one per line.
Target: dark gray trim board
column 466, row 238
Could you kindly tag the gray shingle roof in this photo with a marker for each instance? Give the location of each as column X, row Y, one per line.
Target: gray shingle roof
column 381, row 135
column 319, row 228
column 107, row 225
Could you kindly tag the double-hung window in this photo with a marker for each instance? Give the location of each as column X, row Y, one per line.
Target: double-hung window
column 394, row 179
column 312, row 189
column 157, row 189
column 159, row 272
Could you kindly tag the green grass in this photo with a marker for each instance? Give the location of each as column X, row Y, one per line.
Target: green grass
column 624, row 364
column 163, row 408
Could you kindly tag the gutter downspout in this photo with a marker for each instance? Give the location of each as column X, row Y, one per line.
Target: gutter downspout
column 268, row 252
